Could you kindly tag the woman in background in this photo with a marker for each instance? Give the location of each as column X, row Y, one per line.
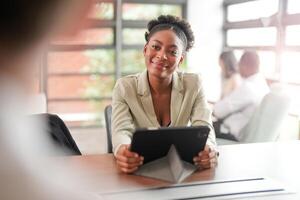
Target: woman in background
column 230, row 76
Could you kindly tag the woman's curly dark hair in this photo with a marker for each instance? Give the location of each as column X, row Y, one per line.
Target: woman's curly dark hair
column 180, row 27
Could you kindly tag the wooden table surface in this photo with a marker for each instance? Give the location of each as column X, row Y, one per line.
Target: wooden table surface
column 279, row 161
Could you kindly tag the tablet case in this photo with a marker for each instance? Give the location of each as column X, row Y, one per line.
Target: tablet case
column 168, row 152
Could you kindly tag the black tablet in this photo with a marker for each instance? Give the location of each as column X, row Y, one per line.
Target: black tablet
column 155, row 143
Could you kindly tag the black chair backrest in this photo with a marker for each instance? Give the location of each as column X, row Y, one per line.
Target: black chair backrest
column 107, row 115
column 59, row 133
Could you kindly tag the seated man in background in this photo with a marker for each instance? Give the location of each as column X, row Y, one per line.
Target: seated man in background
column 234, row 111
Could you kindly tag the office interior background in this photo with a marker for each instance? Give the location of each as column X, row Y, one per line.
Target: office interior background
column 77, row 75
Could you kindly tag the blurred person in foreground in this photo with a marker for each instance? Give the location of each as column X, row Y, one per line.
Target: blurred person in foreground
column 26, row 28
column 230, row 76
column 160, row 96
column 235, row 110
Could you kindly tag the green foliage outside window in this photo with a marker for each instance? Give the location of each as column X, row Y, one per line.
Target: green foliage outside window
column 132, row 61
column 133, row 36
column 102, row 11
column 100, row 61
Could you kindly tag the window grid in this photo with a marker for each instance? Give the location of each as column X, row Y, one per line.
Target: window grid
column 280, row 20
column 117, row 24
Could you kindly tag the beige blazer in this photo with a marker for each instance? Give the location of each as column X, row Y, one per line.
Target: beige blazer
column 132, row 106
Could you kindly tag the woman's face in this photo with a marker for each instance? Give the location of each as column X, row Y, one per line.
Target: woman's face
column 163, row 54
column 222, row 67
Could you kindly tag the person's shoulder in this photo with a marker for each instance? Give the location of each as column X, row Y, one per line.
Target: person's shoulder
column 190, row 79
column 128, row 80
column 127, row 83
column 255, row 80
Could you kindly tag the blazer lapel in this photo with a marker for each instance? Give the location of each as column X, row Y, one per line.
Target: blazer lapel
column 176, row 97
column 146, row 99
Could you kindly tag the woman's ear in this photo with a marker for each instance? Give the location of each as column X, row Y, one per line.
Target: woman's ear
column 181, row 59
column 145, row 48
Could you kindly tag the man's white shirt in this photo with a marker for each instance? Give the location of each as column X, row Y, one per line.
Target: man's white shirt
column 238, row 107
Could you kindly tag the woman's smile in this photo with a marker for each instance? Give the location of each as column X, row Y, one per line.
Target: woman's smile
column 159, row 65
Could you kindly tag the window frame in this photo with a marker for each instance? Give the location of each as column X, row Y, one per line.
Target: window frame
column 117, row 24
column 281, row 20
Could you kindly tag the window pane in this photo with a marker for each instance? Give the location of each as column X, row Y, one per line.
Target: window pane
column 36, row 85
column 134, row 36
column 290, row 68
column 132, row 61
column 35, row 73
column 102, row 11
column 80, row 113
column 148, row 11
column 292, row 35
column 251, row 37
column 252, row 10
column 80, row 86
column 99, row 86
column 81, row 61
column 267, row 64
column 100, row 36
column 238, row 53
column 293, row 6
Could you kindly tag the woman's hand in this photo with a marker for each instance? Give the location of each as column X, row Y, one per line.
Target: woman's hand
column 128, row 161
column 207, row 158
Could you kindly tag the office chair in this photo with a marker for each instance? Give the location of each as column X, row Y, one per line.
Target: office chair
column 265, row 123
column 107, row 115
column 59, row 134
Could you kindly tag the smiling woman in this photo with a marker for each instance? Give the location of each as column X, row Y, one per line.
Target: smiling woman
column 161, row 96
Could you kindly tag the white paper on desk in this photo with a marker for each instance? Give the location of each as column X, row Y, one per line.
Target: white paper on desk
column 169, row 168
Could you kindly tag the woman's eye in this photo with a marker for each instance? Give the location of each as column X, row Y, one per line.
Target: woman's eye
column 155, row 47
column 174, row 52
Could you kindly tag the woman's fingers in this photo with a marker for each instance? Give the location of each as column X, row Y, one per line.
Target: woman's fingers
column 206, row 164
column 130, row 154
column 128, row 161
column 128, row 165
column 206, row 158
column 128, row 171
